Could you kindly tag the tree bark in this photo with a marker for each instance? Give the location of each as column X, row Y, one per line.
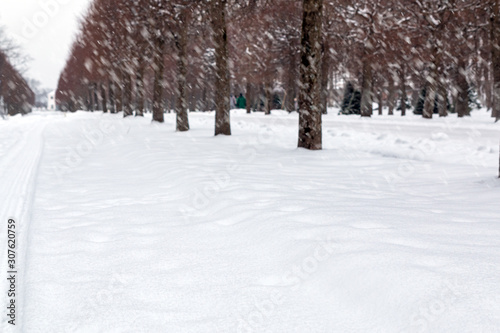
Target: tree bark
column 204, row 99
column 495, row 57
column 390, row 98
column 442, row 99
column 139, row 82
column 127, row 94
column 380, row 103
column 366, row 90
column 325, row 71
column 91, row 98
column 103, row 98
column 268, row 96
column 462, row 101
column 249, row 97
column 402, row 82
column 182, row 121
column 111, row 92
column 310, row 131
column 119, row 95
column 431, row 91
column 159, row 68
column 222, row 82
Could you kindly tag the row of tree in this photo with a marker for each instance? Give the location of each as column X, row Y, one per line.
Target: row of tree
column 186, row 54
column 15, row 94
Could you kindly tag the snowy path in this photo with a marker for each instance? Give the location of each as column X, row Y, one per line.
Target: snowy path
column 19, row 163
column 136, row 228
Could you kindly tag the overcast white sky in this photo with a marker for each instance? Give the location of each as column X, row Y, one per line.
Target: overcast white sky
column 45, row 29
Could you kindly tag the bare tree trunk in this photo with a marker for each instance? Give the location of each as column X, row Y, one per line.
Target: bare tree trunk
column 402, row 82
column 430, row 95
column 462, row 100
column 222, row 83
column 91, row 98
column 380, row 103
column 488, row 88
column 366, row 90
column 127, row 94
column 442, row 99
column 119, row 95
column 204, row 99
column 181, row 105
column 310, row 131
column 495, row 57
column 96, row 98
column 139, row 83
column 325, row 69
column 111, row 91
column 390, row 98
column 268, row 95
column 159, row 68
column 291, row 87
column 103, row 98
column 249, row 97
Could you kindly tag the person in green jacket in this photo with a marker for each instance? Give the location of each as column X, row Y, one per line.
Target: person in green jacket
column 241, row 102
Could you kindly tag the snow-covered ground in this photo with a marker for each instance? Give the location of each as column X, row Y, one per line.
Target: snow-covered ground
column 128, row 226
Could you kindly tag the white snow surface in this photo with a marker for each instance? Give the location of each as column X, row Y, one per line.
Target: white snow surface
column 128, row 226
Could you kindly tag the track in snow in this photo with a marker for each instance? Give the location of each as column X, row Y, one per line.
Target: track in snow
column 18, row 184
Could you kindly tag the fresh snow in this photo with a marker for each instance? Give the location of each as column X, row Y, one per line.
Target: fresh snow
column 128, row 226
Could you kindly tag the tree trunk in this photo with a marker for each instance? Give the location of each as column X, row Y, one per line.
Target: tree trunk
column 111, row 92
column 249, row 97
column 291, row 87
column 268, row 96
column 402, row 82
column 495, row 57
column 310, row 132
column 103, row 98
column 139, row 83
column 204, row 99
column 127, row 94
column 380, row 103
column 325, row 69
column 431, row 90
column 96, row 98
column 159, row 68
column 462, row 101
column 182, row 63
column 488, row 87
column 366, row 90
column 91, row 98
column 119, row 95
column 222, row 83
column 442, row 99
column 390, row 98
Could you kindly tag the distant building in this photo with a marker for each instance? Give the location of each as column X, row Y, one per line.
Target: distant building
column 51, row 101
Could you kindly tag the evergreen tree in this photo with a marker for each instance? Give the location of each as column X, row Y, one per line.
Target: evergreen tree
column 474, row 102
column 349, row 90
column 351, row 103
column 355, row 105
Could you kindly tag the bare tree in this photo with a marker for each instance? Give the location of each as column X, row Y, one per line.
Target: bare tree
column 310, row 134
column 222, row 83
